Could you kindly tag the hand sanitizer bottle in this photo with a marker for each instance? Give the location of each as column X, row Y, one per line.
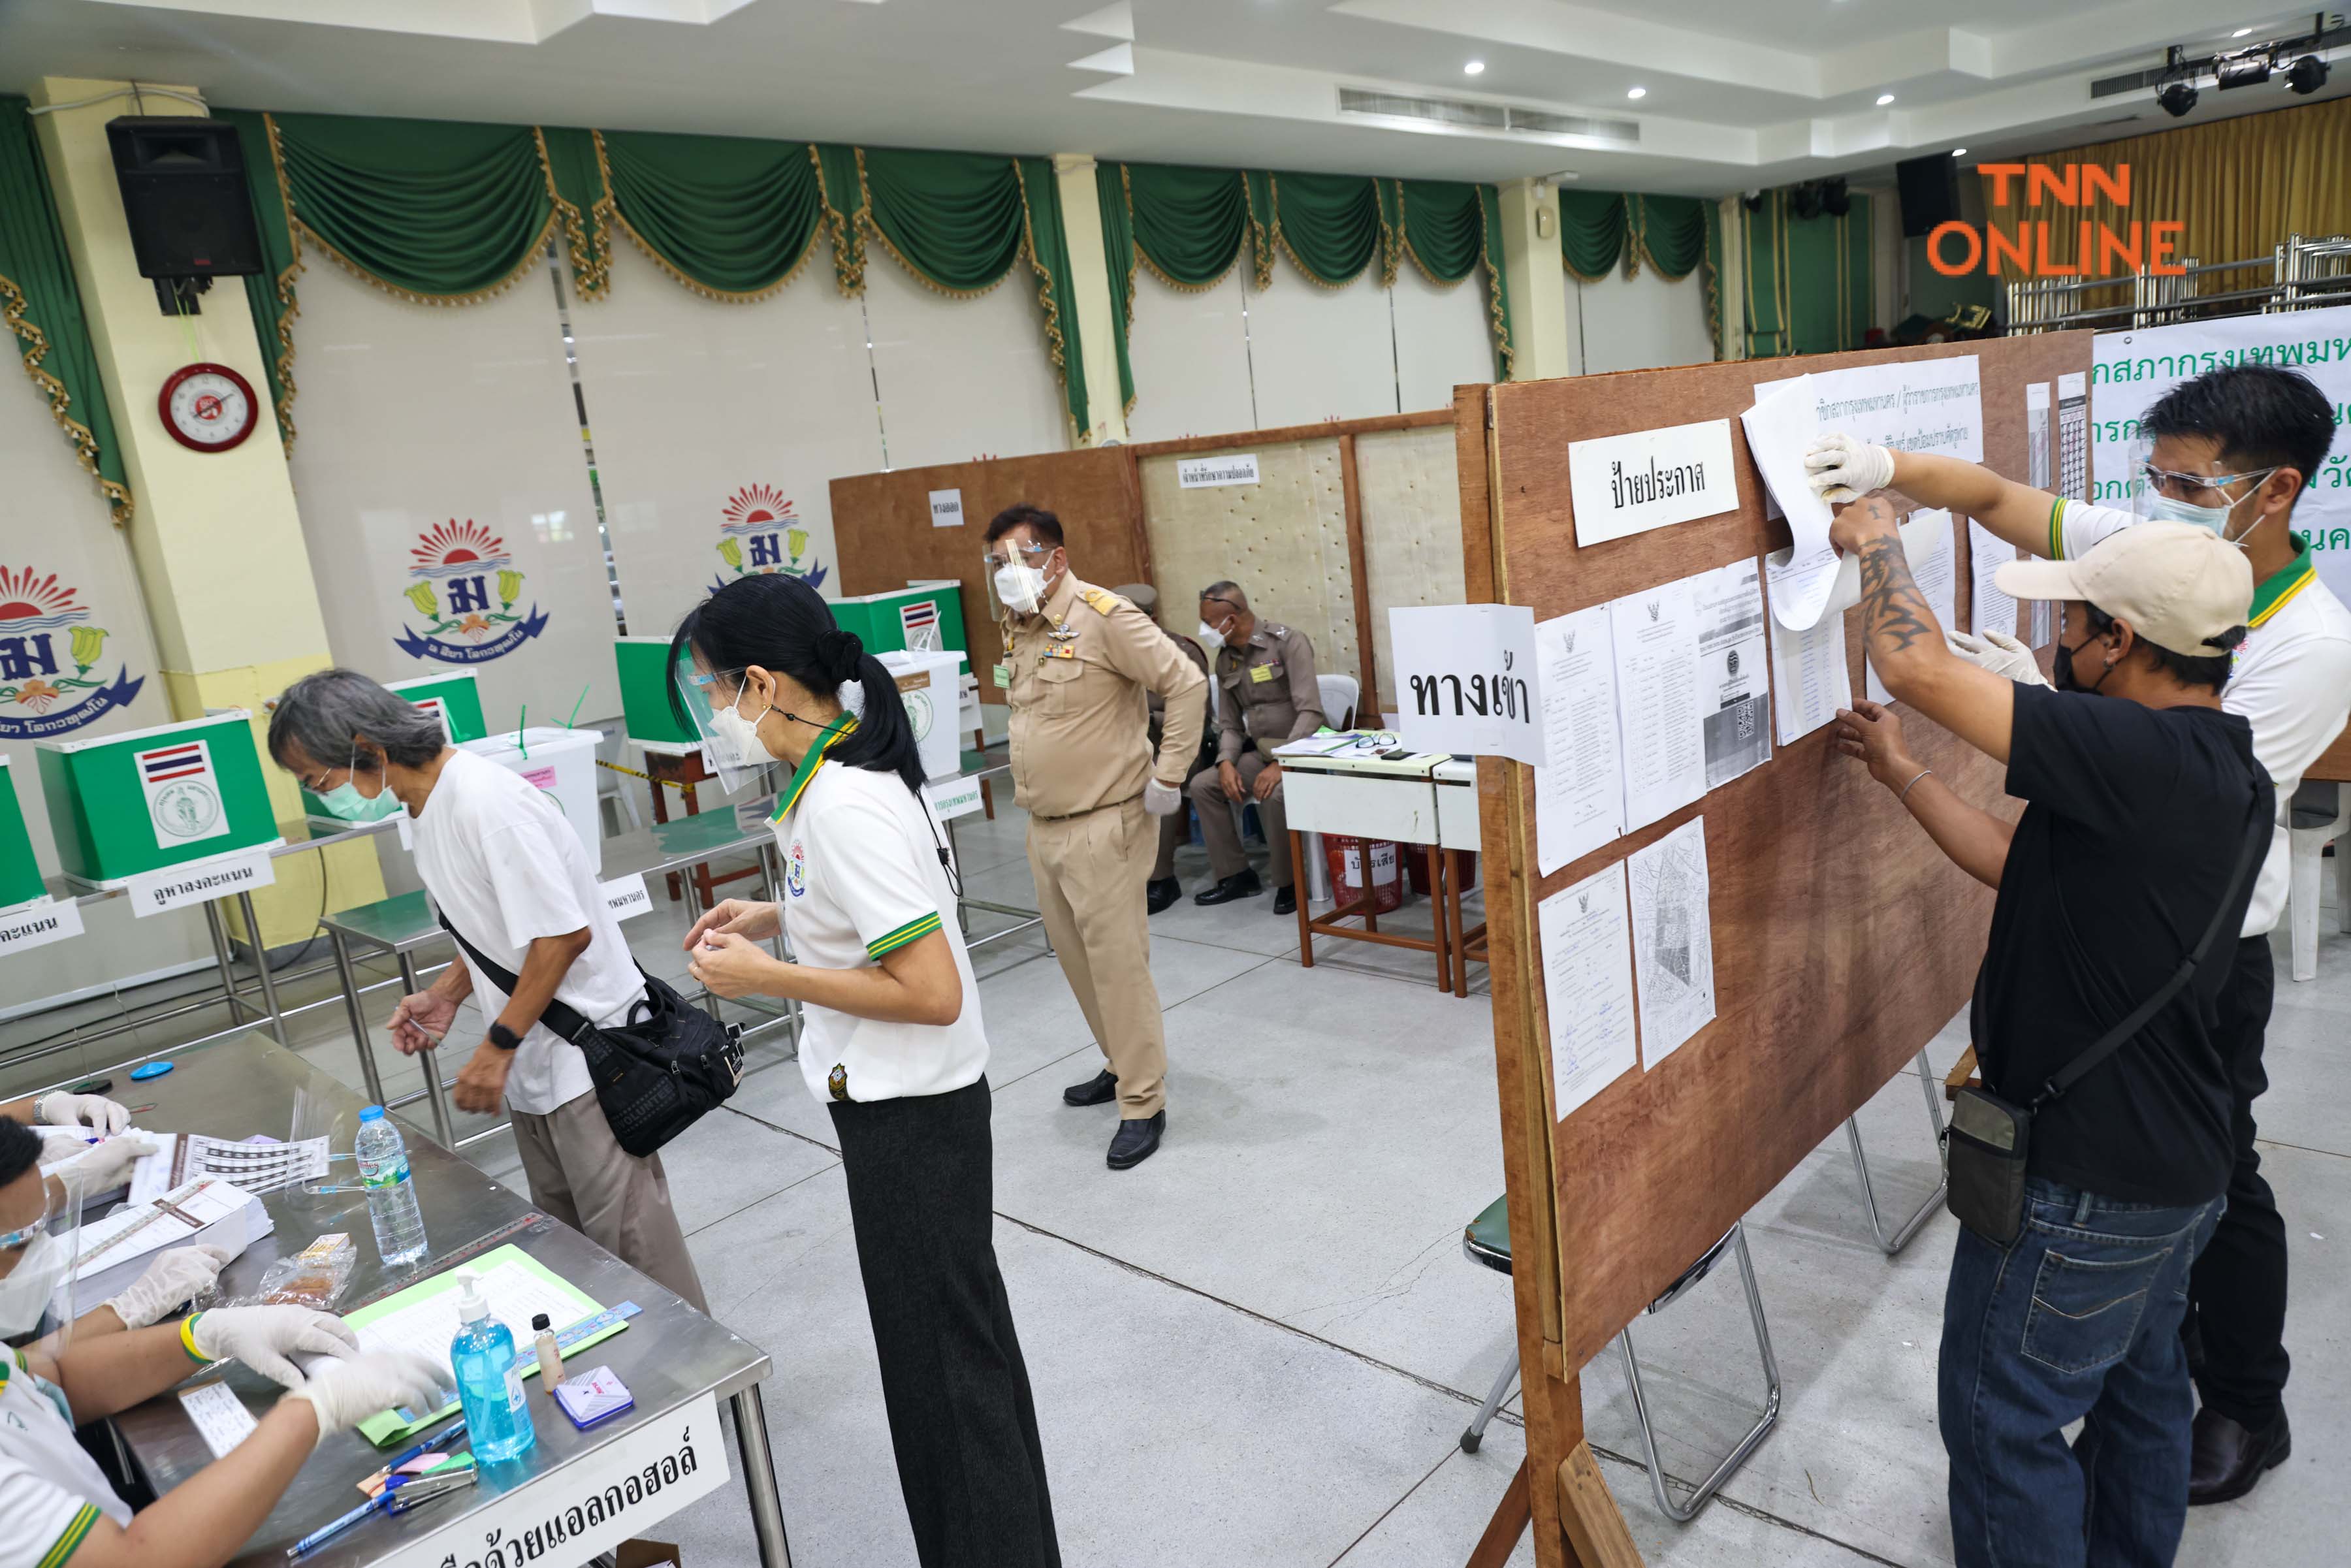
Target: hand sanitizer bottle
column 489, row 1381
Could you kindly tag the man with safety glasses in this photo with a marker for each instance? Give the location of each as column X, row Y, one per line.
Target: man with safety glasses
column 2233, row 450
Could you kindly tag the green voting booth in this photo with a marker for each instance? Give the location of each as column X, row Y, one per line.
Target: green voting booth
column 455, row 698
column 924, row 616
column 123, row 805
column 644, row 695
column 20, row 874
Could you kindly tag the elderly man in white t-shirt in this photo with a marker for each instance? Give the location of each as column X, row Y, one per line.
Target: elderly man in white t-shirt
column 509, row 874
column 2232, row 450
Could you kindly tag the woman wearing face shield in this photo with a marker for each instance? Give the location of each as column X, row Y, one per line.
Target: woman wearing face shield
column 57, row 1505
column 891, row 1044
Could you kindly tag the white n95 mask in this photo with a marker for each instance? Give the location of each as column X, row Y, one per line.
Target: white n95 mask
column 25, row 1292
column 1211, row 636
column 742, row 734
column 1021, row 588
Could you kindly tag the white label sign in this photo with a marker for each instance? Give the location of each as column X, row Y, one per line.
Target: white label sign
column 183, row 800
column 1466, row 680
column 626, row 896
column 1630, row 484
column 38, row 925
column 589, row 1505
column 946, row 508
column 953, row 797
column 200, row 882
column 1234, row 468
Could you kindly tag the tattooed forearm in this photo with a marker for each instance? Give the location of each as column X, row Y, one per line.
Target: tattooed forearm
column 1892, row 610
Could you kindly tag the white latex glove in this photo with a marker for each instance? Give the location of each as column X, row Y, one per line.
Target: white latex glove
column 1841, row 469
column 265, row 1338
column 1162, row 799
column 104, row 1168
column 2000, row 654
column 348, row 1392
column 64, row 1110
column 179, row 1275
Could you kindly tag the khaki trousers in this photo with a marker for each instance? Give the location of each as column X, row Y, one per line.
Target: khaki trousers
column 1089, row 872
column 577, row 1172
column 1223, row 839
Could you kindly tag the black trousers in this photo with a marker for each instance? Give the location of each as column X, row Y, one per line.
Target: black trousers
column 921, row 1197
column 2235, row 1326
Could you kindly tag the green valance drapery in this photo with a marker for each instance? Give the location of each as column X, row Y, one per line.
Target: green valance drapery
column 1599, row 228
column 445, row 213
column 1811, row 282
column 40, row 305
column 1191, row 225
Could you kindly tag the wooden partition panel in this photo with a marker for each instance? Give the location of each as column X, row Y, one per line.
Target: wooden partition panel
column 882, row 523
column 1843, row 940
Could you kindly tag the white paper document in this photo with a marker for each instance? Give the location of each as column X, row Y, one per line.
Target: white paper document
column 254, row 1166
column 1587, row 962
column 206, row 1209
column 426, row 1326
column 1780, row 428
column 1986, row 552
column 1656, row 637
column 1809, row 670
column 1624, row 485
column 1934, row 566
column 1734, row 691
column 1466, row 680
column 1580, row 787
column 221, row 1417
column 1673, row 940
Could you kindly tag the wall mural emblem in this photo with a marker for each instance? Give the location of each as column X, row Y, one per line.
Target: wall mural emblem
column 51, row 659
column 760, row 534
column 460, row 570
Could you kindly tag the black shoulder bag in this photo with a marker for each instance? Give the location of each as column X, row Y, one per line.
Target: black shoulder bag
column 655, row 1074
column 1991, row 1138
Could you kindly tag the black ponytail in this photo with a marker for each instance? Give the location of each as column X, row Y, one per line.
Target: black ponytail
column 779, row 622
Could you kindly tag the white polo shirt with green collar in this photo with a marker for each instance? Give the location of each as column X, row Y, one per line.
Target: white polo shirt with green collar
column 51, row 1492
column 863, row 879
column 2291, row 679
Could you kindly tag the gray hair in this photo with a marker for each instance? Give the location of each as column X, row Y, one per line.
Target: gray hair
column 323, row 714
column 1230, row 593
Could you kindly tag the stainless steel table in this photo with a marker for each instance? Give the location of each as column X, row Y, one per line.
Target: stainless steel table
column 670, row 1355
column 979, row 765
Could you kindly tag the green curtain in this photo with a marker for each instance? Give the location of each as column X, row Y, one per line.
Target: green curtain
column 727, row 217
column 1597, row 229
column 1714, row 275
column 1590, row 233
column 41, row 305
column 1811, row 284
column 1118, row 259
column 1188, row 225
column 1451, row 230
column 1333, row 226
column 1671, row 232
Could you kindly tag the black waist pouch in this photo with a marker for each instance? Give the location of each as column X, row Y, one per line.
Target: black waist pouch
column 1990, row 1140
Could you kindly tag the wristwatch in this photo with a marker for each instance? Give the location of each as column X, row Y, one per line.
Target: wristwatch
column 503, row 1037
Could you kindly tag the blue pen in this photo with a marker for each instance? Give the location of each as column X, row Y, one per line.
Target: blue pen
column 455, row 1430
column 394, row 1499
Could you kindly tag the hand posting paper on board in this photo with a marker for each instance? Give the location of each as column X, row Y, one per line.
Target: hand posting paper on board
column 1466, row 680
column 1927, row 543
column 1780, row 428
column 1587, row 962
column 1580, row 787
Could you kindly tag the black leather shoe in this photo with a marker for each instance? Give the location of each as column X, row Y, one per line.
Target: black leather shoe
column 1161, row 895
column 1285, row 899
column 1240, row 884
column 1099, row 1090
column 2227, row 1461
column 1136, row 1141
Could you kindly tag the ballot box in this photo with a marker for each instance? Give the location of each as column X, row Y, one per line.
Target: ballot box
column 455, row 699
column 931, row 685
column 122, row 805
column 563, row 763
column 20, row 874
column 922, row 616
column 647, row 718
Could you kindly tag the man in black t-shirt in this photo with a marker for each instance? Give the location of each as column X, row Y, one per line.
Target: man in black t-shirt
column 2140, row 793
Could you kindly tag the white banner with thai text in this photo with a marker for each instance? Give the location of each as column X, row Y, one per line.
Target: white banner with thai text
column 1235, row 469
column 40, row 924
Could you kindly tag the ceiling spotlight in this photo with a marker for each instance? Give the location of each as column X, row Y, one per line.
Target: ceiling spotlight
column 1475, row 68
column 1958, row 151
column 1643, row 92
column 2245, row 70
column 2306, row 74
column 2176, row 98
column 1884, row 99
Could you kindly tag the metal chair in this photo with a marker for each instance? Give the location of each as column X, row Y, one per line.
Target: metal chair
column 1487, row 1241
column 1911, row 1226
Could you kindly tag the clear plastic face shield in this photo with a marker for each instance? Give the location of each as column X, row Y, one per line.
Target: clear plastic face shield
column 40, row 1244
column 1019, row 573
column 2221, row 502
column 724, row 708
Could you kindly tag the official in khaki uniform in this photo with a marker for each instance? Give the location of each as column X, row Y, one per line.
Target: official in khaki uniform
column 1267, row 696
column 1077, row 662
column 1163, row 889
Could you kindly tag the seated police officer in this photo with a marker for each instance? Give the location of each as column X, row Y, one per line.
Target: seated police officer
column 1267, row 696
column 1164, row 890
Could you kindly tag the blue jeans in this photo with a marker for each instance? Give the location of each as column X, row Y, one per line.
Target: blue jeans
column 2078, row 1320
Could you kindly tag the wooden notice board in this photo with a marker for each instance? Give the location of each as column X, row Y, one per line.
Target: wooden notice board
column 1843, row 940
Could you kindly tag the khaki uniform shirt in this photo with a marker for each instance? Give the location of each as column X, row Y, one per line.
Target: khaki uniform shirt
column 1267, row 693
column 1076, row 676
column 1199, row 657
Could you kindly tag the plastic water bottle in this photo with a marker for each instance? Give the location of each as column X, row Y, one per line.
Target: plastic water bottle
column 392, row 1197
column 489, row 1379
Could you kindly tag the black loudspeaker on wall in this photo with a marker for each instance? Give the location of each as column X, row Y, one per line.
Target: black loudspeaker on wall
column 1930, row 192
column 184, row 195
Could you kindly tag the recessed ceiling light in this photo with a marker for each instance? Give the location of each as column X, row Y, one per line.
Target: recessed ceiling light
column 2241, row 32
column 1884, row 99
column 1638, row 92
column 1474, row 68
column 1958, row 151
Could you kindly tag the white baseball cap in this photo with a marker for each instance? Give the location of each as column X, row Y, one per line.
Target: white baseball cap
column 2178, row 585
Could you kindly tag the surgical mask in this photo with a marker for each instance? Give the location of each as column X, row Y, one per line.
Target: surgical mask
column 1211, row 636
column 345, row 803
column 24, row 1294
column 742, row 735
column 2170, row 509
column 1020, row 586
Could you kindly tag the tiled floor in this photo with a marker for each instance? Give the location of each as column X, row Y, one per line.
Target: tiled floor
column 1260, row 1348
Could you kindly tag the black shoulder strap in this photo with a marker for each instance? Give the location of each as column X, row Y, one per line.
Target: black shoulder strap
column 2257, row 838
column 556, row 1015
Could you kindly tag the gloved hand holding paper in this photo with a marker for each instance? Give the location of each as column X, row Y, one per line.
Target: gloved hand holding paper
column 1780, row 428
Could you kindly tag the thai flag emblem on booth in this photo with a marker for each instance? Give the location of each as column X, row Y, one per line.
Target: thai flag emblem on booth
column 183, row 801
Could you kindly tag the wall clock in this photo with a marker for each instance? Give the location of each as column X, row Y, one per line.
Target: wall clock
column 208, row 407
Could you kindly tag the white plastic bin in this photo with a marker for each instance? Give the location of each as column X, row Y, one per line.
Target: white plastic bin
column 563, row 763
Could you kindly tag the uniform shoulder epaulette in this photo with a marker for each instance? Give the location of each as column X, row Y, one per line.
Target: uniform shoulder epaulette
column 1274, row 629
column 1103, row 600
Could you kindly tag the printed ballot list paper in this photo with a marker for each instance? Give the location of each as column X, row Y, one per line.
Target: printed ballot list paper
column 1693, row 699
column 1673, row 940
column 1587, row 963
